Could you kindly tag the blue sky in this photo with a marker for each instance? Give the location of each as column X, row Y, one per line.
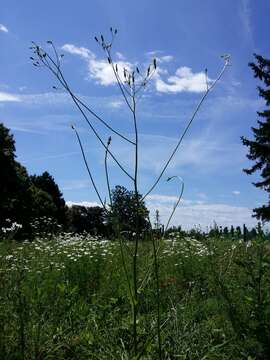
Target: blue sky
column 186, row 37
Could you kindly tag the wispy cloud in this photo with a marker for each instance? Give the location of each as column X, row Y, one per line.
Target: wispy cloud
column 201, row 152
column 167, row 199
column 158, row 54
column 120, row 56
column 37, row 99
column 192, row 213
column 8, row 97
column 166, row 58
column 41, row 124
column 48, row 98
column 116, row 104
column 75, row 185
column 52, row 156
column 56, row 98
column 3, row 28
column 236, row 192
column 245, row 17
column 202, row 196
column 22, row 128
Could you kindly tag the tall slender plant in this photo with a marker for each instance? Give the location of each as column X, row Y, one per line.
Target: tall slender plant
column 131, row 83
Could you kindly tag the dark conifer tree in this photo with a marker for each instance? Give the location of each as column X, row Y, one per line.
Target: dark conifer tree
column 14, row 182
column 24, row 198
column 259, row 147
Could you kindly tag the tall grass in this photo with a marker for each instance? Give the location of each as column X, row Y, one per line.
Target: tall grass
column 66, row 299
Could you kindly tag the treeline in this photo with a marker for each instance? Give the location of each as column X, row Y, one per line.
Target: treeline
column 232, row 232
column 33, row 205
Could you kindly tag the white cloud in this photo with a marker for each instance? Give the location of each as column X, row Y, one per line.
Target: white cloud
column 82, row 203
column 192, row 213
column 98, row 69
column 101, row 71
column 7, row 97
column 183, row 80
column 81, row 51
column 3, row 28
column 236, row 192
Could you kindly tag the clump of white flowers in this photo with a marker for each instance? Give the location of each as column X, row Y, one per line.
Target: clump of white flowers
column 10, row 229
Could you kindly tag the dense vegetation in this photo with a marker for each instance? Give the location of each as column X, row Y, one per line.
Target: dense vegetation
column 67, row 299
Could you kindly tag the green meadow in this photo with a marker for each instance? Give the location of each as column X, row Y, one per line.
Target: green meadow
column 68, row 298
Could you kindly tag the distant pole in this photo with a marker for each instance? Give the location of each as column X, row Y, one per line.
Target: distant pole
column 245, row 232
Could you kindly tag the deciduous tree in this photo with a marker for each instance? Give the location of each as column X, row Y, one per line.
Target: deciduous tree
column 124, row 209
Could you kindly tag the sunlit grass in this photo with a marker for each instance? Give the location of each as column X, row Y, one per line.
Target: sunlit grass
column 67, row 299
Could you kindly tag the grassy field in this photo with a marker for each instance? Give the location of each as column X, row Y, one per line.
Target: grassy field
column 67, row 298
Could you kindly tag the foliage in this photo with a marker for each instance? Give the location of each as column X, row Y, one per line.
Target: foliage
column 15, row 184
column 25, row 199
column 47, row 183
column 13, row 180
column 87, row 219
column 259, row 148
column 66, row 299
column 125, row 213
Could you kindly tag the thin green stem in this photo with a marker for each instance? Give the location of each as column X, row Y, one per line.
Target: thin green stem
column 88, row 169
column 156, row 268
column 178, row 200
column 125, row 270
column 119, row 82
column 135, row 256
column 106, row 170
